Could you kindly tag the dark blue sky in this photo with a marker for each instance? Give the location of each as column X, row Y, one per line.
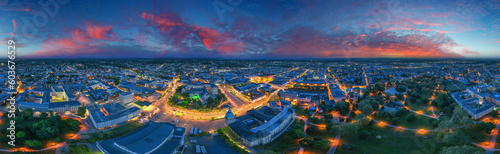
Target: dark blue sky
column 252, row 29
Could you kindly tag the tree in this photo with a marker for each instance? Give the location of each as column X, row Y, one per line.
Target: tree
column 425, row 100
column 364, row 134
column 27, row 113
column 185, row 95
column 459, row 113
column 44, row 115
column 196, row 105
column 349, row 147
column 297, row 133
column 461, row 149
column 394, row 121
column 312, row 129
column 434, row 103
column 401, row 112
column 211, row 102
column 367, row 109
column 58, row 140
column 306, row 142
column 74, row 124
column 486, row 127
column 174, row 99
column 467, row 122
column 411, row 117
column 494, row 114
column 33, row 144
column 70, row 141
column 343, row 113
column 456, row 138
column 82, row 111
column 329, row 116
column 348, row 128
column 371, row 123
column 375, row 105
column 20, row 134
column 445, row 127
column 329, row 126
column 342, row 106
column 322, row 144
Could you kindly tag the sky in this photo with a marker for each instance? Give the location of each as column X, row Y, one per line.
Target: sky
column 252, row 29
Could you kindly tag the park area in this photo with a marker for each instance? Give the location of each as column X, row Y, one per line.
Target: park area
column 40, row 132
column 195, row 102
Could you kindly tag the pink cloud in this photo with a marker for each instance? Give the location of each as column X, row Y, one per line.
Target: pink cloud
column 308, row 43
column 99, row 32
column 148, row 16
column 175, row 27
column 14, row 23
column 469, row 52
column 80, row 36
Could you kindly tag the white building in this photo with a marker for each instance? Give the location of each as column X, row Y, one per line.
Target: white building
column 103, row 118
column 126, row 97
column 259, row 127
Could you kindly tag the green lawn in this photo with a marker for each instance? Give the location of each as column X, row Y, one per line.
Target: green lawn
column 79, row 149
column 420, row 123
column 476, row 135
column 323, row 134
column 282, row 145
column 455, row 85
column 421, row 107
column 391, row 142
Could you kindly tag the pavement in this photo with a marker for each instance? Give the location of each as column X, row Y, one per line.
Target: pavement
column 213, row 144
column 491, row 148
column 334, row 145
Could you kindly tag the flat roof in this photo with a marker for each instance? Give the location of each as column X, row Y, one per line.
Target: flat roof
column 98, row 116
column 145, row 139
column 125, row 93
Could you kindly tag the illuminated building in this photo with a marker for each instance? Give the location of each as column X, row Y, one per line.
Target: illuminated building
column 258, row 127
column 126, row 97
column 152, row 138
column 474, row 105
column 111, row 114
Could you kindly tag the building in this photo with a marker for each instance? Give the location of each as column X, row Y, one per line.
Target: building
column 260, row 126
column 278, row 84
column 329, row 104
column 474, row 106
column 493, row 98
column 273, row 104
column 152, row 138
column 59, row 107
column 285, row 104
column 57, row 99
column 62, row 93
column 126, row 97
column 111, row 114
column 214, row 89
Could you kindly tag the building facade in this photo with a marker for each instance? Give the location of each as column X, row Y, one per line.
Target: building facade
column 126, row 97
column 260, row 126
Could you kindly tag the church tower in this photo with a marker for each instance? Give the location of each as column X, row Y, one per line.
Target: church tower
column 229, row 117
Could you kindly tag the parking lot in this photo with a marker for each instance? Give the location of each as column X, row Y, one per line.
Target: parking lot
column 213, row 144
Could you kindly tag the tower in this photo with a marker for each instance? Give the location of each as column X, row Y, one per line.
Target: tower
column 229, row 117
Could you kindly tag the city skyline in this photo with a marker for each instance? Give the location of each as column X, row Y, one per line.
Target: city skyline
column 253, row 29
column 250, row 76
